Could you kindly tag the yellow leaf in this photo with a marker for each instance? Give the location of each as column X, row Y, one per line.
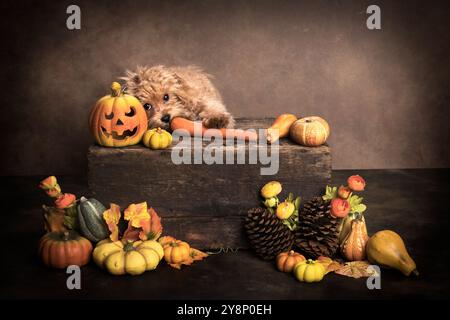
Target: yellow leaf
column 136, row 213
column 112, row 217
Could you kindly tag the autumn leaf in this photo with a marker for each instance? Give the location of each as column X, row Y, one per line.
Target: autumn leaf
column 329, row 264
column 112, row 217
column 355, row 269
column 136, row 213
column 151, row 228
column 197, row 255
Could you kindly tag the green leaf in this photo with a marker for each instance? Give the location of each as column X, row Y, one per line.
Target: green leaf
column 290, row 197
column 330, row 193
column 297, row 203
column 355, row 200
column 360, row 208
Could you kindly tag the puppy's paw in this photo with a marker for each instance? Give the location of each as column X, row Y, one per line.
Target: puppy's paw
column 220, row 120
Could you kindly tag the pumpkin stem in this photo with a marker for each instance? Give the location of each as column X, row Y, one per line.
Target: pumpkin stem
column 66, row 235
column 116, row 89
column 128, row 247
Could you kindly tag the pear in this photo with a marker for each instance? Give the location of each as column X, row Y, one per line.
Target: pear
column 386, row 248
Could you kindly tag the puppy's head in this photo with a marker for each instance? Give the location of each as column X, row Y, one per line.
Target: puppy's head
column 162, row 93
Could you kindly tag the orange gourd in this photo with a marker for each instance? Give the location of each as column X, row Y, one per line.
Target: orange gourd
column 118, row 120
column 354, row 246
column 176, row 251
column 310, row 131
column 62, row 249
column 280, row 127
column 286, row 261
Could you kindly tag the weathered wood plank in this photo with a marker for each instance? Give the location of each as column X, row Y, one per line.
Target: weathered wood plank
column 218, row 195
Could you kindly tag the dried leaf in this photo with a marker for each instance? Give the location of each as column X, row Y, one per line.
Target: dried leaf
column 355, row 269
column 112, row 217
column 53, row 219
column 329, row 264
column 136, row 213
column 151, row 228
column 197, row 255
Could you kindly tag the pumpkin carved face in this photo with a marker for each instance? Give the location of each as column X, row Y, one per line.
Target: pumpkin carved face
column 118, row 120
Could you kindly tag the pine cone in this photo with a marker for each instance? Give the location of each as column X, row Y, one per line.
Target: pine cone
column 267, row 235
column 318, row 231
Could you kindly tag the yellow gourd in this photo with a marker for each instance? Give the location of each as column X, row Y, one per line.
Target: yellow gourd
column 128, row 258
column 157, row 139
column 309, row 271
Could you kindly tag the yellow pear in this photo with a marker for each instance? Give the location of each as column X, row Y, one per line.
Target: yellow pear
column 386, row 248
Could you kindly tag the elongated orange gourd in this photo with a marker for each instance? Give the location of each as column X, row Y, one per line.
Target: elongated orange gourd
column 354, row 246
column 280, row 127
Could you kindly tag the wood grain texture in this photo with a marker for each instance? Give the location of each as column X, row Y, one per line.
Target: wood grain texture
column 204, row 202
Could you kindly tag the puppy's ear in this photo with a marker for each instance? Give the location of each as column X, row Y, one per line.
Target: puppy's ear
column 184, row 91
column 132, row 78
column 180, row 81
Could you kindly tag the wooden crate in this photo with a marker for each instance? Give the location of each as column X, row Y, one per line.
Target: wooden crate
column 203, row 204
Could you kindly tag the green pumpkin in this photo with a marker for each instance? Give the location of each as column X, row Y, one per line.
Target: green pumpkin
column 90, row 217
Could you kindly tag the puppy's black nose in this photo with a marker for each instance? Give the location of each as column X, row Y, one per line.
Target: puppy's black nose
column 165, row 118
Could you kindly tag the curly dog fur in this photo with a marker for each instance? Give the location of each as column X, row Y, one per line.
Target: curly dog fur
column 169, row 92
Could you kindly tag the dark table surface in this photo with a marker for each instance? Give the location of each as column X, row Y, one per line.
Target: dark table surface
column 414, row 203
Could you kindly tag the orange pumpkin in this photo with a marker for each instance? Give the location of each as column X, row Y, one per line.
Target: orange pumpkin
column 286, row 261
column 118, row 120
column 62, row 249
column 310, row 131
column 176, row 251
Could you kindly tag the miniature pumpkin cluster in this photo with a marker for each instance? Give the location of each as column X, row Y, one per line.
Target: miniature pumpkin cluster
column 329, row 234
column 80, row 228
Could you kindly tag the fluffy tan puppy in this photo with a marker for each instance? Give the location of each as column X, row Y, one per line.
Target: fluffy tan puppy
column 169, row 92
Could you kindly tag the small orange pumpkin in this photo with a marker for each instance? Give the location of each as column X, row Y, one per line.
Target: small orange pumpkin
column 118, row 120
column 286, row 261
column 354, row 246
column 62, row 249
column 176, row 251
column 310, row 131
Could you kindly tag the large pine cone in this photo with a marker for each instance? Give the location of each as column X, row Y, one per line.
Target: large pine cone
column 267, row 235
column 318, row 231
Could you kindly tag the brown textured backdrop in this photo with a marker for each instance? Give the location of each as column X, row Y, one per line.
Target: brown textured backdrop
column 385, row 93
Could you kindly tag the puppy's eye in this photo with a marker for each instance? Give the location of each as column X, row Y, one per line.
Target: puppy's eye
column 131, row 113
column 147, row 106
column 109, row 116
column 166, row 97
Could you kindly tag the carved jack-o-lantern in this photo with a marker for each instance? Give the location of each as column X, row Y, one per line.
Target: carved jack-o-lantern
column 118, row 120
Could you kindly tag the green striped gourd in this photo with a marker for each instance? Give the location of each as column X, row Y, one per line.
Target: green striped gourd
column 90, row 216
